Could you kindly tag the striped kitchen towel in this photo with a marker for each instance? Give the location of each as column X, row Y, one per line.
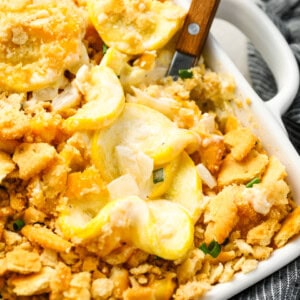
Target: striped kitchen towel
column 285, row 283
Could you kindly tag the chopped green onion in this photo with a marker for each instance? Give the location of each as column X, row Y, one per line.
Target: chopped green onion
column 18, row 224
column 158, row 175
column 252, row 182
column 213, row 249
column 204, row 248
column 184, row 73
column 104, row 48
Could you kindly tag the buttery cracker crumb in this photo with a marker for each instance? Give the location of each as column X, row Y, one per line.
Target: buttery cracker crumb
column 261, row 252
column 33, row 284
column 290, row 227
column 262, row 234
column 33, row 215
column 3, row 266
column 120, row 278
column 102, row 288
column 23, row 262
column 12, row 238
column 46, row 238
column 145, row 268
column 239, row 263
column 33, row 158
column 61, row 281
column 20, row 36
column 79, row 286
column 249, row 265
column 191, row 290
column 215, row 273
column 90, row 263
column 232, row 171
column 6, row 165
column 222, row 215
column 240, row 141
column 49, row 258
column 228, row 272
column 188, row 268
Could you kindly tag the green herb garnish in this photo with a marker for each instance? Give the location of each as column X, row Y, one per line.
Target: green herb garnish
column 184, row 73
column 252, row 182
column 18, row 224
column 104, row 48
column 213, row 249
column 158, row 175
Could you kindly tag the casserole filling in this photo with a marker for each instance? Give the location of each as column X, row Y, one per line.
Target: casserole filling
column 117, row 182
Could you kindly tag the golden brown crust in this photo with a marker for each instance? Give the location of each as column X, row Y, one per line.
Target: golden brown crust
column 53, row 31
column 46, row 238
column 32, row 158
column 232, row 171
column 290, row 227
column 240, row 142
column 47, row 172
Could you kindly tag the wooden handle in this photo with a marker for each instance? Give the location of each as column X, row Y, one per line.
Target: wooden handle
column 196, row 27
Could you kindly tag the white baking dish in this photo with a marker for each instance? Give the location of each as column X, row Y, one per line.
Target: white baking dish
column 263, row 118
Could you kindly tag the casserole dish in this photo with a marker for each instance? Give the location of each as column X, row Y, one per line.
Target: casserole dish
column 117, row 184
column 263, row 117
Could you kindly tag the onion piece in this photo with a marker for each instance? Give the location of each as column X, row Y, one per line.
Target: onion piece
column 206, row 176
column 69, row 98
column 122, row 187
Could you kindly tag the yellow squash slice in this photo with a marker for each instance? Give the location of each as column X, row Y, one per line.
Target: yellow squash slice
column 39, row 41
column 141, row 129
column 146, row 225
column 104, row 97
column 186, row 187
column 162, row 185
column 173, row 231
column 115, row 60
column 136, row 26
column 134, row 71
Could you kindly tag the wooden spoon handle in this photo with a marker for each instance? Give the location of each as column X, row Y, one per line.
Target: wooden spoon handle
column 196, row 27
